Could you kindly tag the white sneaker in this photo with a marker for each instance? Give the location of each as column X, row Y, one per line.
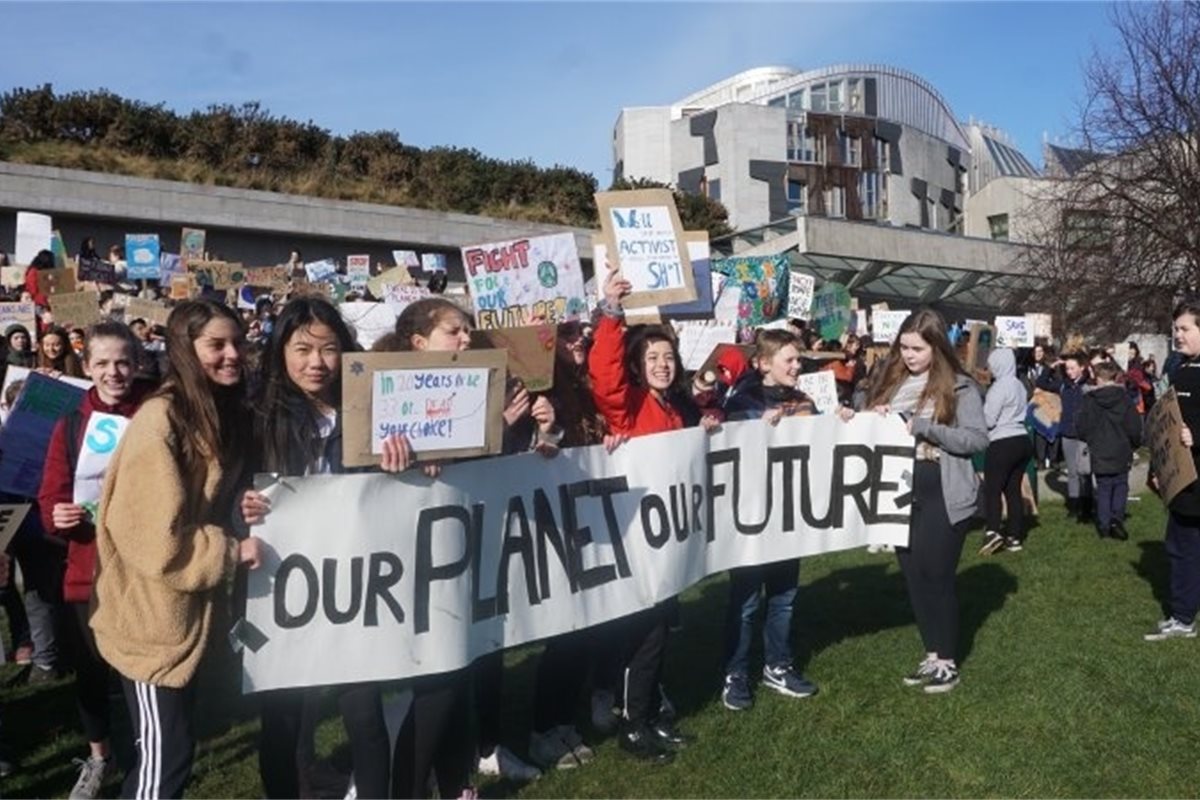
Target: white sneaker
column 583, row 753
column 92, row 773
column 1171, row 628
column 503, row 763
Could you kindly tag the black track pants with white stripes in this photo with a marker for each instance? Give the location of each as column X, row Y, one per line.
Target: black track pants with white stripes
column 161, row 719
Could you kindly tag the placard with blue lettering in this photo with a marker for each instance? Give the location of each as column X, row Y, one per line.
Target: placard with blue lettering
column 100, row 439
column 529, row 281
column 646, row 244
column 142, row 256
column 448, row 404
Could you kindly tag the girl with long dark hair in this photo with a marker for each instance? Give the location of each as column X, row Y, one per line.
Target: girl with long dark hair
column 163, row 545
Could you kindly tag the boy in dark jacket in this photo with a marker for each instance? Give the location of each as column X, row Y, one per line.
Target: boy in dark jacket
column 1112, row 428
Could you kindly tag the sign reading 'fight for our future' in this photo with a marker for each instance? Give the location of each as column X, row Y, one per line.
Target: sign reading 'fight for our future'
column 524, row 282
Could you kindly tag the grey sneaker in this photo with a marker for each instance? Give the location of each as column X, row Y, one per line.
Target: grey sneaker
column 570, row 735
column 1171, row 628
column 92, row 773
column 549, row 751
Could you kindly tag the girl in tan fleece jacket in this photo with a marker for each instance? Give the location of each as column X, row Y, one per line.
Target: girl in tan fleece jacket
column 164, row 548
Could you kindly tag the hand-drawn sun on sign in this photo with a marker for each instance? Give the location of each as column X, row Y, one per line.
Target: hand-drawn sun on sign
column 356, row 367
column 548, row 274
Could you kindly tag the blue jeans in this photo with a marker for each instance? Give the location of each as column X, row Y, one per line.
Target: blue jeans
column 780, row 581
column 1183, row 555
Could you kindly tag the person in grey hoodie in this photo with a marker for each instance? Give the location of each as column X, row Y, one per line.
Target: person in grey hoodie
column 923, row 381
column 1008, row 453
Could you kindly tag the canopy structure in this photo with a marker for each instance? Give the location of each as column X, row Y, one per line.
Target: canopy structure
column 905, row 267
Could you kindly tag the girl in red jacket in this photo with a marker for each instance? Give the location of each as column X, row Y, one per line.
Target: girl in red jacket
column 634, row 383
column 108, row 359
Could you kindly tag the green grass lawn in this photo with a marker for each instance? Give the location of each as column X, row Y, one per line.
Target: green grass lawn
column 1060, row 696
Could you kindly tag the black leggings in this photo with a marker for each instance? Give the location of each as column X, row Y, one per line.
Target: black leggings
column 930, row 562
column 1003, row 468
column 280, row 738
column 91, row 674
column 561, row 674
column 436, row 736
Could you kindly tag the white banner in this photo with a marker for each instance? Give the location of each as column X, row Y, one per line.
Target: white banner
column 406, row 575
column 1013, row 332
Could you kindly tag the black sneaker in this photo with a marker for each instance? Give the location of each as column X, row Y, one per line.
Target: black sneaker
column 1012, row 544
column 644, row 745
column 669, row 735
column 1118, row 532
column 736, row 695
column 944, row 678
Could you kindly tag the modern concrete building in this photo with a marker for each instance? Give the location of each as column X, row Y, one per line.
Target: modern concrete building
column 860, row 142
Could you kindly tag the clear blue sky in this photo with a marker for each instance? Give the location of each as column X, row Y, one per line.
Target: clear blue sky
column 543, row 81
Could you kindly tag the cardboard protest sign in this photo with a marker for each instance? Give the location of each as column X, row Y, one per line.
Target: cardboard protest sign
column 320, row 271
column 448, row 404
column 97, row 270
column 800, row 294
column 12, row 277
column 11, row 517
column 402, row 295
column 979, row 347
column 34, row 232
column 55, row 281
column 1013, row 332
column 368, row 320
column 708, row 284
column 885, row 325
column 494, row 552
column 100, row 439
column 142, row 256
column 858, row 323
column 519, row 282
column 23, row 314
column 645, row 242
column 831, row 310
column 698, row 339
column 761, row 285
column 153, row 312
column 302, row 287
column 358, row 270
column 377, row 286
column 77, row 309
column 15, row 376
column 182, row 286
column 531, row 352
column 433, row 262
column 821, row 387
column 26, row 432
column 406, row 258
column 191, row 245
column 169, row 264
column 1170, row 461
column 267, row 277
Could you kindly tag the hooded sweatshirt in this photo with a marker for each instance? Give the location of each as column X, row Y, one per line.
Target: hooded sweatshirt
column 1004, row 408
column 1111, row 426
column 20, row 358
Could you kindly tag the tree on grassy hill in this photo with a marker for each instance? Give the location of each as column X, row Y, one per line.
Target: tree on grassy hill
column 696, row 211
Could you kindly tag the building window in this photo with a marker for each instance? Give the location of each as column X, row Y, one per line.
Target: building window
column 714, row 189
column 817, row 96
column 777, row 102
column 870, row 192
column 803, row 146
column 835, row 201
column 851, row 149
column 931, row 209
column 883, row 155
column 998, row 225
column 835, row 96
column 854, row 95
column 1086, row 229
column 797, row 197
column 797, row 99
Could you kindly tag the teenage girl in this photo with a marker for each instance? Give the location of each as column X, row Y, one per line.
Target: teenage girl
column 299, row 432
column 163, row 545
column 923, row 381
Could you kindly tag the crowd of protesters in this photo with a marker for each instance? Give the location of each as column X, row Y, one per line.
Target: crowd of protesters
column 136, row 586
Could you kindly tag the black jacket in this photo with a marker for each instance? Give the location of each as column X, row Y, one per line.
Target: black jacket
column 749, row 398
column 1110, row 425
column 1185, row 379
